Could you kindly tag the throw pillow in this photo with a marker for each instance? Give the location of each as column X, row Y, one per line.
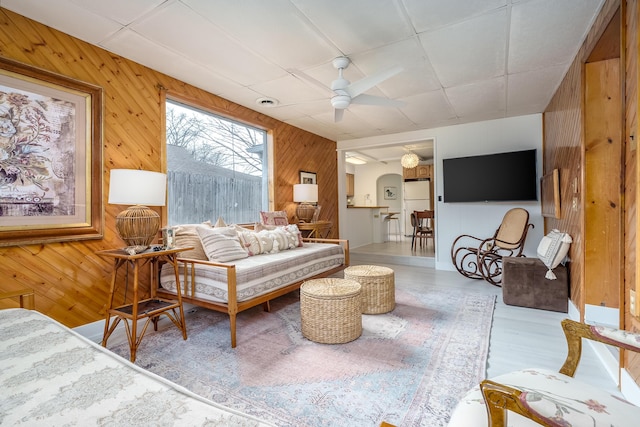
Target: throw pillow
column 292, row 232
column 274, row 218
column 552, row 250
column 249, row 240
column 220, row 223
column 185, row 236
column 221, row 244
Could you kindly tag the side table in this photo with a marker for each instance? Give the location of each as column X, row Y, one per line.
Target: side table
column 150, row 308
column 315, row 230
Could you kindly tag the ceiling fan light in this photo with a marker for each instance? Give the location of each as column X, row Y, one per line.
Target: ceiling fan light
column 409, row 161
column 340, row 102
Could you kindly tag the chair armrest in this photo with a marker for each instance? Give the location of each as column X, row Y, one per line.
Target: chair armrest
column 499, row 398
column 26, row 297
column 575, row 331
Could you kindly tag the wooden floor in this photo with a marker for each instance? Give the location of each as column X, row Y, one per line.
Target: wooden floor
column 520, row 337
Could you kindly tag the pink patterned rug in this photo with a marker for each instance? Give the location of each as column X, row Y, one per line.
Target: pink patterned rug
column 409, row 367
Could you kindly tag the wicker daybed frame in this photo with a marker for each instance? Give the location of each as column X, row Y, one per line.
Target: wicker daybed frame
column 232, row 307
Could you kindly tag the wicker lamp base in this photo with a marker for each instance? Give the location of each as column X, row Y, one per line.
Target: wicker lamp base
column 305, row 212
column 138, row 226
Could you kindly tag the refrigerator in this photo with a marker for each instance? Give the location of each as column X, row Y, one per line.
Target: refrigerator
column 416, row 198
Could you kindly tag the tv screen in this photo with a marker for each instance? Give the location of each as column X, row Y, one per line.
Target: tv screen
column 491, row 178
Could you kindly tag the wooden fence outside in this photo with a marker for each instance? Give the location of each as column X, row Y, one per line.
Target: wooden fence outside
column 194, row 198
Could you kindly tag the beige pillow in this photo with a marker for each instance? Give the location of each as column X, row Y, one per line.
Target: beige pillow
column 185, row 236
column 291, row 231
column 221, row 244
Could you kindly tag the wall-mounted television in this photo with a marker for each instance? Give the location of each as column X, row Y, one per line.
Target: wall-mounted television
column 497, row 177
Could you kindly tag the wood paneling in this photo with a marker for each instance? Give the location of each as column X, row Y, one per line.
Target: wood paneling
column 70, row 281
column 564, row 149
column 602, row 191
column 631, row 266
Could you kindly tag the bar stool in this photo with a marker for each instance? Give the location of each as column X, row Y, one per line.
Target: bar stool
column 392, row 217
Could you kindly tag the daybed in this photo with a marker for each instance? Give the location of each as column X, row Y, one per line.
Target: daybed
column 53, row 376
column 218, row 276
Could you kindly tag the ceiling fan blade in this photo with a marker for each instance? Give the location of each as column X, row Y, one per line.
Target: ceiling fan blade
column 365, row 99
column 339, row 113
column 306, row 77
column 363, row 85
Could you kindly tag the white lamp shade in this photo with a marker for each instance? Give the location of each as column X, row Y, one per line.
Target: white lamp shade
column 137, row 187
column 305, row 193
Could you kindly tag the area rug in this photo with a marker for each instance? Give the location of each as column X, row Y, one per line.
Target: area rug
column 409, row 368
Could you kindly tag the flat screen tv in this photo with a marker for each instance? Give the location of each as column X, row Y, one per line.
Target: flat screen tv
column 491, row 178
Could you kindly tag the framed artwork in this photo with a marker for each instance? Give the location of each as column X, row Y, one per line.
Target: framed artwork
column 50, row 157
column 307, row 177
column 550, row 194
column 390, row 193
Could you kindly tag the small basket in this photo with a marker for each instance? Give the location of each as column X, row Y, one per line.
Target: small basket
column 331, row 310
column 378, row 287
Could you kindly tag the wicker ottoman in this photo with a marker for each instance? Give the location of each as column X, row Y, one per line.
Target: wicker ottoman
column 331, row 310
column 378, row 287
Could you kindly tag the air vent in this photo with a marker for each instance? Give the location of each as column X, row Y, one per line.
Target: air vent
column 267, row 102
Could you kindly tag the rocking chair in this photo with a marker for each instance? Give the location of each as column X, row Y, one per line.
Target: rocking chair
column 482, row 258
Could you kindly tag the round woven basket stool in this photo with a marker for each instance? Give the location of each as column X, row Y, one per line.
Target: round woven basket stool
column 331, row 310
column 378, row 287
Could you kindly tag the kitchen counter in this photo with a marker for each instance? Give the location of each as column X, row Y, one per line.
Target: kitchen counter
column 365, row 225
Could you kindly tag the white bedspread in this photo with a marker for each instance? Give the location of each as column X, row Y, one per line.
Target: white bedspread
column 51, row 376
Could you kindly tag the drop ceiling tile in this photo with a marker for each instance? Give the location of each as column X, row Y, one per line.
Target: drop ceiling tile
column 122, row 11
column 275, row 29
column 289, row 90
column 354, row 26
column 532, row 91
column 139, row 49
column 428, row 108
column 391, row 120
column 478, row 99
column 431, row 14
column 532, row 22
column 417, row 74
column 65, row 16
column 181, row 30
column 469, row 51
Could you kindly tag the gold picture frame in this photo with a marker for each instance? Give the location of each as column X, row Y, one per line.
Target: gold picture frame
column 50, row 157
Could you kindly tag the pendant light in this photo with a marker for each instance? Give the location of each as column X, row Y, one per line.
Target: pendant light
column 409, row 161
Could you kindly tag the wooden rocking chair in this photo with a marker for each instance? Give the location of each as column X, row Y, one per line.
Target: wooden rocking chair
column 482, row 258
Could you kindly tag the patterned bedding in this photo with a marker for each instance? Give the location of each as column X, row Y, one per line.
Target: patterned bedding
column 259, row 274
column 51, row 376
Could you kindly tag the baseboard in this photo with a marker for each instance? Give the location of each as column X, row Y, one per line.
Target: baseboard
column 629, row 388
column 604, row 316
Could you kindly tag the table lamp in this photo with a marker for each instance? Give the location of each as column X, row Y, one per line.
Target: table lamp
column 305, row 194
column 137, row 225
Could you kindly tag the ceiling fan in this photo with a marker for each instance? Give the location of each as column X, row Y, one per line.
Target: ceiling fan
column 345, row 93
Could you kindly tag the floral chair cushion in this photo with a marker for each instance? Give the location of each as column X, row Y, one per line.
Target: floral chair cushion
column 562, row 400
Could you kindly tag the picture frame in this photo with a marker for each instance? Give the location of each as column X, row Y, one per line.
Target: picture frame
column 50, row 157
column 550, row 194
column 390, row 193
column 308, row 177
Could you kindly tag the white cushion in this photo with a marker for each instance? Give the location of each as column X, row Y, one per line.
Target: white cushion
column 553, row 249
column 221, row 244
column 553, row 396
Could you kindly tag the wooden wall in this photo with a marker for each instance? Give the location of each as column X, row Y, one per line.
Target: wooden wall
column 69, row 280
column 631, row 266
column 564, row 145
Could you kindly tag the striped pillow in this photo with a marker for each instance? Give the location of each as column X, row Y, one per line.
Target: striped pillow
column 221, row 244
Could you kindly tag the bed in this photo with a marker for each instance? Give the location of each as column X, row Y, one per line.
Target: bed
column 53, row 376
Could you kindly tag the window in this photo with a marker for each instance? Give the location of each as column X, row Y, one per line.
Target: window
column 216, row 167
